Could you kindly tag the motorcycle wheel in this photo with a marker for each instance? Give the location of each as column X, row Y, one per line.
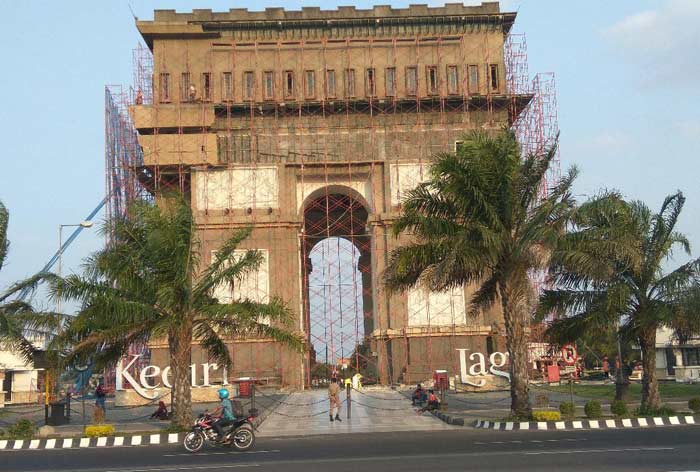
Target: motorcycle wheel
column 243, row 438
column 194, row 441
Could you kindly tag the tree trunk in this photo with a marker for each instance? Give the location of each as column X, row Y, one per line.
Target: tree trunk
column 651, row 400
column 180, row 341
column 516, row 342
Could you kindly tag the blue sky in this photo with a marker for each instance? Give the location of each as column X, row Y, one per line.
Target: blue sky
column 626, row 72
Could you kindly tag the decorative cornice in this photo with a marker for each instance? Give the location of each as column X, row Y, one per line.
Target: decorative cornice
column 312, row 22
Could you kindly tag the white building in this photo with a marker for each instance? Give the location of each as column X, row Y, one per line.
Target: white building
column 19, row 379
column 677, row 361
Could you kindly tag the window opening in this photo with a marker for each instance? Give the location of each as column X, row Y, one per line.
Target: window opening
column 310, row 83
column 330, row 83
column 452, row 80
column 493, row 75
column 391, row 81
column 412, row 81
column 185, row 83
column 349, row 83
column 227, row 85
column 206, row 86
column 473, row 79
column 432, row 80
column 269, row 85
column 248, row 85
column 370, row 83
column 164, row 87
column 288, row 84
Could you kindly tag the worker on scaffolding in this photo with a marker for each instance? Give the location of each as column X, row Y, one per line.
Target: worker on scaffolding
column 334, row 399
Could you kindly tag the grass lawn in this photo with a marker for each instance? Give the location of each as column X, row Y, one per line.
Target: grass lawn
column 602, row 392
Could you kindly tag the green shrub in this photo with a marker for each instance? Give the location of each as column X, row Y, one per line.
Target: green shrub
column 96, row 431
column 593, row 409
column 661, row 411
column 567, row 409
column 619, row 408
column 546, row 415
column 174, row 428
column 23, row 429
column 694, row 404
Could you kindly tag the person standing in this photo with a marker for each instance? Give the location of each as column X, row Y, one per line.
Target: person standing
column 101, row 396
column 334, row 399
column 606, row 367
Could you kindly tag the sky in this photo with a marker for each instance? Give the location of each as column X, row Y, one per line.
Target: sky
column 626, row 74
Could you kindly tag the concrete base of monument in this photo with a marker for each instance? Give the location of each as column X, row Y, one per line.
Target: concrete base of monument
column 130, row 397
column 480, row 383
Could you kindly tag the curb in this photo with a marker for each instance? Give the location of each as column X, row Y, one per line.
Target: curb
column 588, row 424
column 83, row 443
column 449, row 419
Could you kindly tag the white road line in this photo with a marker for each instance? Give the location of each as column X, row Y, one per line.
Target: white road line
column 201, row 467
column 272, row 451
column 581, row 451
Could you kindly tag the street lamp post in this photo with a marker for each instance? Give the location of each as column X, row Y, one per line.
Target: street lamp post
column 83, row 224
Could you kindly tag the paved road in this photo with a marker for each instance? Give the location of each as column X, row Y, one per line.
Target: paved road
column 658, row 450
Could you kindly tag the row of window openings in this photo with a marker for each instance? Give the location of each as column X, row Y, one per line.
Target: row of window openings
column 188, row 91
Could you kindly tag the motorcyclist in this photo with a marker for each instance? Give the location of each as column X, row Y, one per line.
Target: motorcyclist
column 225, row 413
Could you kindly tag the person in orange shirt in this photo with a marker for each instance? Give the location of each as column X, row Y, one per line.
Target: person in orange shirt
column 433, row 402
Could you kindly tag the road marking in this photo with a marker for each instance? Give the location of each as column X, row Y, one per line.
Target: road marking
column 271, row 451
column 84, row 442
column 200, row 467
column 119, row 441
column 642, row 422
column 34, row 444
column 67, row 443
column 102, row 442
column 50, row 444
column 581, row 451
column 18, row 444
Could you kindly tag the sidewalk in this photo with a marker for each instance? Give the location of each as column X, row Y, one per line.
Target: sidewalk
column 372, row 410
column 495, row 406
column 126, row 420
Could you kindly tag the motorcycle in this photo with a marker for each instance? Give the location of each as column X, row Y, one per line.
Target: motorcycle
column 239, row 435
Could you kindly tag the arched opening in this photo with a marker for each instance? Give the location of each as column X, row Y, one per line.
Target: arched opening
column 337, row 278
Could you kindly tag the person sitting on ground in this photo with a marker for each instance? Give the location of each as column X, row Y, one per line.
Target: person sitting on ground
column 225, row 414
column 161, row 413
column 433, row 402
column 419, row 396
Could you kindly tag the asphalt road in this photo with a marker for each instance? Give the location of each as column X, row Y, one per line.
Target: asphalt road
column 659, row 449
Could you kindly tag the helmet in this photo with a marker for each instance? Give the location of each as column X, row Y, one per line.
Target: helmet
column 223, row 393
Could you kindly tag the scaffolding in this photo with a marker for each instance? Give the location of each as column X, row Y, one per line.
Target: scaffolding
column 230, row 145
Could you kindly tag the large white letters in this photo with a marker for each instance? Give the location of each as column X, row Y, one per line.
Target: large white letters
column 151, row 377
column 478, row 368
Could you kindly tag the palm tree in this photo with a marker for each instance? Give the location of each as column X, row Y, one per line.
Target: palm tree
column 18, row 316
column 480, row 219
column 609, row 269
column 148, row 283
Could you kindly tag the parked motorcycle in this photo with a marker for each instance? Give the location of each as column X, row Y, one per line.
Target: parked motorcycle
column 238, row 435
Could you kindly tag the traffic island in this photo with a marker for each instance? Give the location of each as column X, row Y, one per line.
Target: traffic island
column 84, row 442
column 622, row 423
